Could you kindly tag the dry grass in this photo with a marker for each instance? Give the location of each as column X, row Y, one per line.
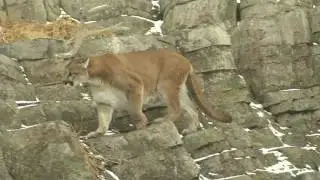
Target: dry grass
column 64, row 28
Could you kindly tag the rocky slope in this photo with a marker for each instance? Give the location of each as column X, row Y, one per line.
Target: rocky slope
column 258, row 60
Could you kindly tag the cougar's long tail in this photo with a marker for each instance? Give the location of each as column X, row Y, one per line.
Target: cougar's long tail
column 195, row 89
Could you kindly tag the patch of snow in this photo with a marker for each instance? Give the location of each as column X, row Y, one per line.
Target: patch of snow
column 202, row 177
column 213, row 174
column 313, row 6
column 215, row 154
column 238, row 1
column 308, row 148
column 269, row 113
column 274, row 131
column 23, row 127
column 243, row 81
column 27, row 102
column 250, row 173
column 89, row 22
column 206, row 157
column 156, row 25
column 201, row 125
column 112, row 174
column 311, row 135
column 230, row 177
column 286, row 90
column 260, row 114
column 21, row 68
column 255, row 106
column 85, row 96
column 210, row 123
column 26, row 106
column 283, row 128
column 98, row 8
column 238, row 158
column 315, row 44
column 247, row 130
column 155, row 4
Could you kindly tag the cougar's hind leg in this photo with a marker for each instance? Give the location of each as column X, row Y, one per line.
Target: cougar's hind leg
column 135, row 99
column 170, row 92
column 104, row 117
column 192, row 121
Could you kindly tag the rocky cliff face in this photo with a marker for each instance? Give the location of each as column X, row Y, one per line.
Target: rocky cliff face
column 259, row 60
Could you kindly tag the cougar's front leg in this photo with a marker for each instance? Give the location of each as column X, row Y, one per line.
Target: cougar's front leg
column 104, row 117
column 132, row 84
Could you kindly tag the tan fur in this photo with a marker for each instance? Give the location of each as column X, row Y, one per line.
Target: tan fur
column 125, row 81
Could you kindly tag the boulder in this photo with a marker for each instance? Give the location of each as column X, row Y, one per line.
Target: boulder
column 45, row 151
column 26, row 49
column 151, row 153
column 186, row 14
column 23, row 9
column 106, row 10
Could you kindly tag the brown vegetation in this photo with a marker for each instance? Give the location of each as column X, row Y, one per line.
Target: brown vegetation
column 63, row 28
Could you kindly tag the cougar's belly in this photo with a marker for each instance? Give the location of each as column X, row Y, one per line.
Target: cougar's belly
column 118, row 99
column 111, row 96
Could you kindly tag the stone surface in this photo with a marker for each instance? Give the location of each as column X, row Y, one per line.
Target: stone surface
column 156, row 150
column 263, row 70
column 45, row 151
column 107, row 9
column 26, row 49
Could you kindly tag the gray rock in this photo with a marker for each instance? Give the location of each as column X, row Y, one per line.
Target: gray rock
column 26, row 49
column 45, row 71
column 211, row 58
column 301, row 158
column 80, row 114
column 45, row 151
column 210, row 35
column 269, row 65
column 157, row 136
column 9, row 69
column 8, row 109
column 119, row 44
column 52, row 8
column 12, row 90
column 273, row 98
column 189, row 14
column 107, row 9
column 4, row 174
column 30, row 10
column 290, row 32
column 309, row 176
column 202, row 138
column 165, row 165
column 59, row 92
column 156, row 149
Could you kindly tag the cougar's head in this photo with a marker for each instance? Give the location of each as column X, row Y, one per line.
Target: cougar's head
column 76, row 71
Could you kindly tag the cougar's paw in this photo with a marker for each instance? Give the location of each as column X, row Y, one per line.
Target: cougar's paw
column 188, row 131
column 158, row 120
column 93, row 134
column 141, row 124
